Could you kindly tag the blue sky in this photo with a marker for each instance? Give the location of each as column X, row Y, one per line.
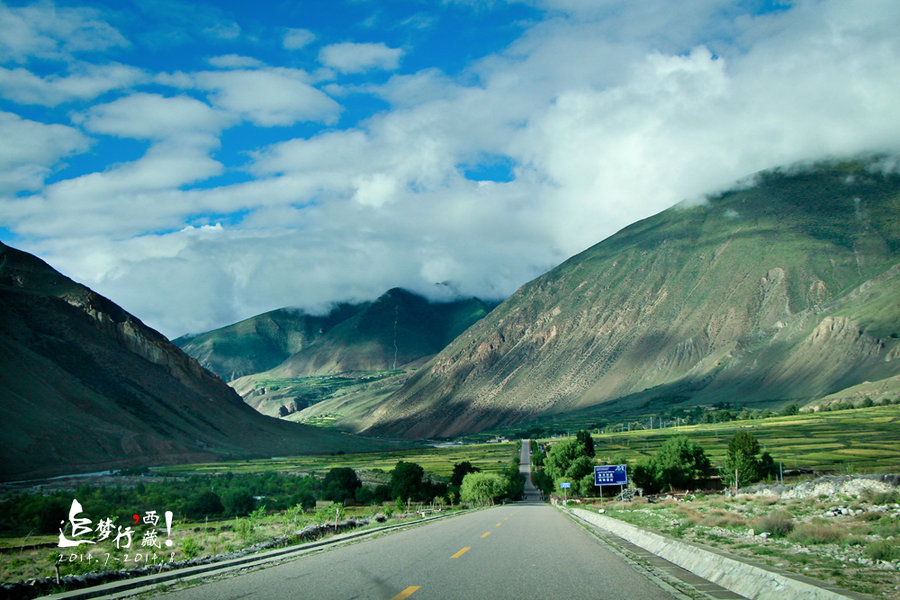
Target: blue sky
column 199, row 163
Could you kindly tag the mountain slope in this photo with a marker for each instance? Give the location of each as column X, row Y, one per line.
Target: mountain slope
column 396, row 329
column 291, row 360
column 262, row 342
column 781, row 290
column 86, row 386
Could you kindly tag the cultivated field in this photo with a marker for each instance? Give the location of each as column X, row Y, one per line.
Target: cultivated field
column 861, row 440
column 438, row 461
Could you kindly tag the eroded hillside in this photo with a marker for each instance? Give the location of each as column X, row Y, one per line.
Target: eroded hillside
column 782, row 290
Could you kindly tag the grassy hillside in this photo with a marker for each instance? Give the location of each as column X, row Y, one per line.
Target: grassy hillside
column 361, row 345
column 781, row 290
column 261, row 342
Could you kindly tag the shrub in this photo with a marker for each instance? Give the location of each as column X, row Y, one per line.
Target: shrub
column 883, row 550
column 191, row 548
column 245, row 530
column 723, row 518
column 778, row 524
column 891, row 497
column 678, row 464
column 482, row 488
column 818, row 532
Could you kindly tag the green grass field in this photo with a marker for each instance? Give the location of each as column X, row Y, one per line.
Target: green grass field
column 439, row 461
column 862, row 440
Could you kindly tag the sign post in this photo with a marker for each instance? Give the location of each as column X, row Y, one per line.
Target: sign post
column 565, row 485
column 610, row 475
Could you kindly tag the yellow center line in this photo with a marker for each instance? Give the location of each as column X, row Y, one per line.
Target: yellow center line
column 499, row 524
column 407, row 592
column 485, row 534
column 461, row 552
column 506, row 519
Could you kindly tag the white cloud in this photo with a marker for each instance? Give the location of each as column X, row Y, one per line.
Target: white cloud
column 37, row 148
column 295, row 39
column 269, row 97
column 156, row 117
column 609, row 112
column 348, row 57
column 84, row 82
column 234, row 61
column 46, row 31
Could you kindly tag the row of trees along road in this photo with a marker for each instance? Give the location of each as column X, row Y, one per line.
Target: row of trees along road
column 197, row 497
column 678, row 463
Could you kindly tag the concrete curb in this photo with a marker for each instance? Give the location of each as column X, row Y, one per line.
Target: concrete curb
column 757, row 582
column 136, row 585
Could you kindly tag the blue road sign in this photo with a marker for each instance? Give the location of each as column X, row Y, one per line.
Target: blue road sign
column 611, row 475
column 565, row 485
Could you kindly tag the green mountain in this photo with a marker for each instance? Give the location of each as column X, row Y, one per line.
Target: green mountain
column 784, row 289
column 285, row 360
column 262, row 342
column 85, row 386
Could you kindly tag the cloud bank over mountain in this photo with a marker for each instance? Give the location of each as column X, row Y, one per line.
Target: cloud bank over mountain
column 200, row 166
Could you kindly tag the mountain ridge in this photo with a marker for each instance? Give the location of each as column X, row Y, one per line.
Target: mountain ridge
column 85, row 386
column 343, row 351
column 719, row 299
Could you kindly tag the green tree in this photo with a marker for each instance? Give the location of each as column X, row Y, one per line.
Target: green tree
column 238, row 502
column 681, row 463
column 561, row 456
column 406, row 481
column 515, row 482
column 741, row 459
column 460, row 470
column 790, row 409
column 341, row 484
column 678, row 464
column 580, row 467
column 204, row 504
column 644, row 474
column 482, row 488
column 767, row 468
column 584, row 438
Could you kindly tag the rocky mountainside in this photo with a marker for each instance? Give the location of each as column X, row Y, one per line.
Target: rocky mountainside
column 85, row 386
column 782, row 290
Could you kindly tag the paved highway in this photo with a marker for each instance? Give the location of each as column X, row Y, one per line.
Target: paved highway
column 522, row 551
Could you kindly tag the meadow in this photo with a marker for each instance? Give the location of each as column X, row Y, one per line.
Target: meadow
column 859, row 440
column 438, row 461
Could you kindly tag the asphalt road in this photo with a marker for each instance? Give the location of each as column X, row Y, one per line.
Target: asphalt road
column 523, row 550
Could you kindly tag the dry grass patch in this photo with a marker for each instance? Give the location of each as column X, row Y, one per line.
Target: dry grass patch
column 723, row 518
column 818, row 532
column 777, row 524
